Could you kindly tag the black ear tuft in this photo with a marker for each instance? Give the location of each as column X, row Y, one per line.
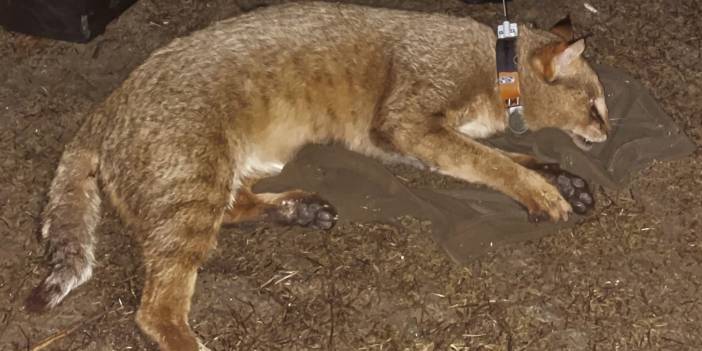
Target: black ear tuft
column 582, row 37
column 564, row 29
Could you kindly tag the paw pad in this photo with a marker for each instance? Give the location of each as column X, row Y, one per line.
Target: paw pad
column 573, row 188
column 307, row 210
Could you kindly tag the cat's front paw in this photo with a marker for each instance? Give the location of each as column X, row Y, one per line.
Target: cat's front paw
column 548, row 205
column 542, row 200
column 573, row 188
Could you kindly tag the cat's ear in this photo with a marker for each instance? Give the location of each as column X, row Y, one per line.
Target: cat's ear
column 571, row 52
column 564, row 29
column 556, row 59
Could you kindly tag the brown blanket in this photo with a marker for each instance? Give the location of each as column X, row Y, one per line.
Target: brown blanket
column 466, row 221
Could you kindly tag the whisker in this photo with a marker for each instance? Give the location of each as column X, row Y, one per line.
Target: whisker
column 615, row 121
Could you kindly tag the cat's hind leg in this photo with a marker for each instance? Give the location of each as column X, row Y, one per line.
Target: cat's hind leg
column 295, row 207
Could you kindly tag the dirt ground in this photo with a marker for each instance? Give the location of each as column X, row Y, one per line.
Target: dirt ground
column 628, row 278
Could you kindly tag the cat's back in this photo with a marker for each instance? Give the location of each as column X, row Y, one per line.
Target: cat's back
column 210, row 78
column 264, row 36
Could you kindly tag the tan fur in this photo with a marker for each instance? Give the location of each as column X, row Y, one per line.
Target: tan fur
column 177, row 145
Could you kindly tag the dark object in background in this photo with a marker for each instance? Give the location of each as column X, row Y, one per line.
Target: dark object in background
column 70, row 20
column 484, row 1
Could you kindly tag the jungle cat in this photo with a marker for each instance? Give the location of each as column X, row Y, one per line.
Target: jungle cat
column 176, row 148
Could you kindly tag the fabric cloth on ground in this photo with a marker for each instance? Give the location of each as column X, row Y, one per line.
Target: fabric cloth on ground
column 467, row 221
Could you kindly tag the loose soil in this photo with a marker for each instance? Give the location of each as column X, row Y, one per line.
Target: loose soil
column 627, row 278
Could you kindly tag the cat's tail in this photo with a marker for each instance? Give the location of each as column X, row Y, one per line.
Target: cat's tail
column 68, row 227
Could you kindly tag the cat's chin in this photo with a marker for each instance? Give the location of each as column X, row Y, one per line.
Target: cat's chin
column 581, row 142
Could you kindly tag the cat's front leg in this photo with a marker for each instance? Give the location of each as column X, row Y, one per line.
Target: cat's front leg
column 449, row 153
column 572, row 187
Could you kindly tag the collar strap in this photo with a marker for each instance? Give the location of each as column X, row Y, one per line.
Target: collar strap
column 508, row 75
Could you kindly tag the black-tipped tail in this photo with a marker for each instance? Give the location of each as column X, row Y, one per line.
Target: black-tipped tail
column 69, row 221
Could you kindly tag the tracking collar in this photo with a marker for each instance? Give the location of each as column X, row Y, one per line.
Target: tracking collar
column 508, row 76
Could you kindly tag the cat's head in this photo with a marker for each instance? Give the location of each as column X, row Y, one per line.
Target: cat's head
column 561, row 90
